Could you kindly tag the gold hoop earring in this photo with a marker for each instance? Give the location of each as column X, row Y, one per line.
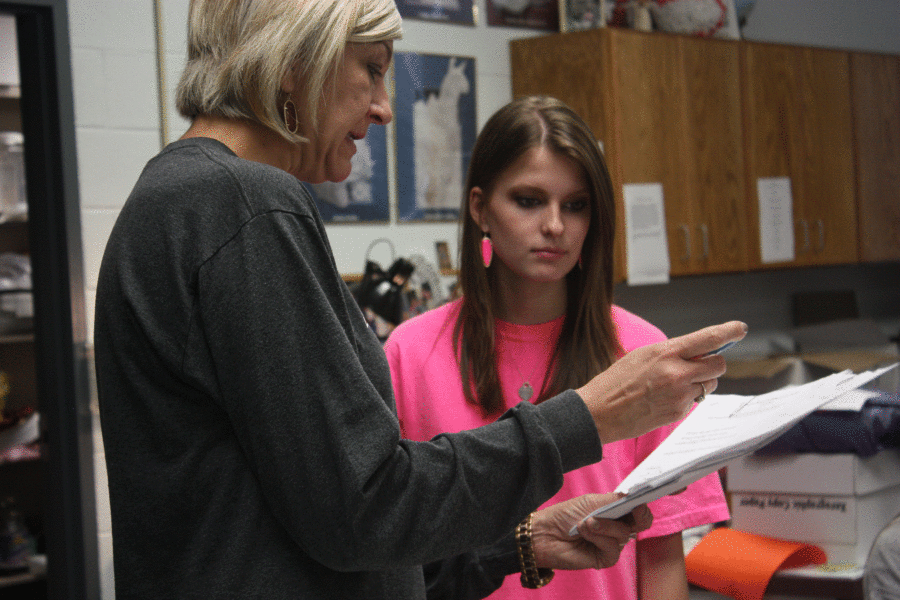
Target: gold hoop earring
column 293, row 109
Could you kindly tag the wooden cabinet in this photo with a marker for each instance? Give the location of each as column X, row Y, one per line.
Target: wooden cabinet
column 667, row 109
column 798, row 124
column 692, row 142
column 572, row 67
column 875, row 84
column 710, row 119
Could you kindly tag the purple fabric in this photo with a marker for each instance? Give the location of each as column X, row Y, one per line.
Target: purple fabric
column 867, row 432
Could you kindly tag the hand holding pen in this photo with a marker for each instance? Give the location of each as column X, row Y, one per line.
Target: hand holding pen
column 657, row 384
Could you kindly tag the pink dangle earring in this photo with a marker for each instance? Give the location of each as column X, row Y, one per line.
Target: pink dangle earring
column 487, row 250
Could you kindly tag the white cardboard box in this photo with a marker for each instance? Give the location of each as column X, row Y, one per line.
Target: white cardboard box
column 807, row 473
column 844, row 526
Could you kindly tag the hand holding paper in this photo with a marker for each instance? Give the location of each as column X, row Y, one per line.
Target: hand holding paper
column 600, row 542
column 723, row 428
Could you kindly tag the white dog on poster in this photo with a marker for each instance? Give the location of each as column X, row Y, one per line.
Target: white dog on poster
column 437, row 141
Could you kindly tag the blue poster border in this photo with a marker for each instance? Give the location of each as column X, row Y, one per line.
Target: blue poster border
column 377, row 207
column 417, row 76
column 438, row 11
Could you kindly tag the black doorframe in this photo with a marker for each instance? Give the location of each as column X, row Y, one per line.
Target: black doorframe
column 54, row 229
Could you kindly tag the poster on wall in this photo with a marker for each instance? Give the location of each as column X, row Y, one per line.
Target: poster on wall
column 435, row 125
column 363, row 196
column 446, row 11
column 577, row 15
column 528, row 14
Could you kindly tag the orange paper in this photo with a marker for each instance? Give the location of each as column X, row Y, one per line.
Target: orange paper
column 740, row 564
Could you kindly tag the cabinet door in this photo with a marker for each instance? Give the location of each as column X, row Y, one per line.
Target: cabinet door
column 875, row 81
column 573, row 67
column 677, row 122
column 714, row 155
column 648, row 131
column 828, row 200
column 570, row 67
column 798, row 125
column 668, row 111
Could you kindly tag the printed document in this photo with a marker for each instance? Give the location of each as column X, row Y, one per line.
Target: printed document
column 722, row 428
column 647, row 248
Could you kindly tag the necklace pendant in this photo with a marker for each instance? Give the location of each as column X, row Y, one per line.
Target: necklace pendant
column 526, row 391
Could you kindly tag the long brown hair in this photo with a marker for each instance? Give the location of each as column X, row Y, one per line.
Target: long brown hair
column 587, row 343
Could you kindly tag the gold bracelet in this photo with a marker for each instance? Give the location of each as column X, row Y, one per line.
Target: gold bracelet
column 532, row 576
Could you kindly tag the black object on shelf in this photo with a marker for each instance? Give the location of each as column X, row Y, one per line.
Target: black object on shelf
column 382, row 292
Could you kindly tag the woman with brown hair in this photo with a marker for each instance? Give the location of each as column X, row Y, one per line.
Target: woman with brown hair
column 537, row 318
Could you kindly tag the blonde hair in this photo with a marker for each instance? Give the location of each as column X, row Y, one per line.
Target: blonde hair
column 240, row 50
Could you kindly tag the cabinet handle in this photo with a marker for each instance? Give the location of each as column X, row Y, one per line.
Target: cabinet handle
column 687, row 242
column 704, row 236
column 805, row 227
column 820, row 224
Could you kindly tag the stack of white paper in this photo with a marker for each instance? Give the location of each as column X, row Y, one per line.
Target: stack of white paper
column 722, row 428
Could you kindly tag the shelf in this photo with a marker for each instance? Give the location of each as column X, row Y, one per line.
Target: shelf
column 20, row 578
column 36, row 572
column 10, row 91
column 354, row 277
column 17, row 338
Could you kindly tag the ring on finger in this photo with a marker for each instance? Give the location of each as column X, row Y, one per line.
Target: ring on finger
column 702, row 395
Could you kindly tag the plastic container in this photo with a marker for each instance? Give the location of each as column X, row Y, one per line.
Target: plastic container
column 13, row 201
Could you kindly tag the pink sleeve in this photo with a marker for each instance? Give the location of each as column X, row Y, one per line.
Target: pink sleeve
column 634, row 331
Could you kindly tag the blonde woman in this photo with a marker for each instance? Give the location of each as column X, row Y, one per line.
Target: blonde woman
column 248, row 420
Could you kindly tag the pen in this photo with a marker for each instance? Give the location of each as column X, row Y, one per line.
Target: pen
column 721, row 350
column 717, row 350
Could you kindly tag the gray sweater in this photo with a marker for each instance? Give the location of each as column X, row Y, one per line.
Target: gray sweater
column 248, row 421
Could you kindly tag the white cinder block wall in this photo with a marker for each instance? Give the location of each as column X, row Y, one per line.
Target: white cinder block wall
column 117, row 130
column 117, row 114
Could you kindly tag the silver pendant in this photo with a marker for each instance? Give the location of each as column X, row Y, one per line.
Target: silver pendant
column 526, row 391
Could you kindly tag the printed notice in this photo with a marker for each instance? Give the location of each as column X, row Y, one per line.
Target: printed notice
column 776, row 219
column 647, row 248
column 800, row 504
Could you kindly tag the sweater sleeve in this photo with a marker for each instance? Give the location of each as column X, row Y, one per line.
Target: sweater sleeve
column 472, row 575
column 307, row 390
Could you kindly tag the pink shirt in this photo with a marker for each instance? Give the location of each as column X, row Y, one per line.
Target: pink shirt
column 430, row 401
